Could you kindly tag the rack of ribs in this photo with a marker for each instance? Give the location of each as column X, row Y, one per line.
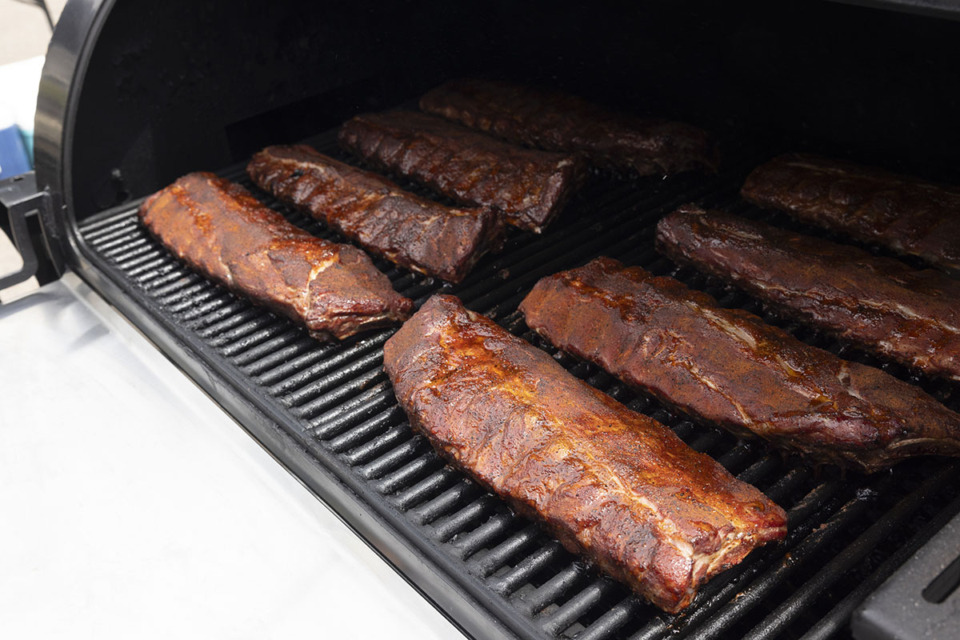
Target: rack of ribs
column 729, row 368
column 612, row 484
column 408, row 230
column 221, row 230
column 528, row 187
column 878, row 303
column 906, row 215
column 556, row 121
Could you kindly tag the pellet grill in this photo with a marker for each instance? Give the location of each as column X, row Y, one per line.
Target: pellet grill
column 134, row 95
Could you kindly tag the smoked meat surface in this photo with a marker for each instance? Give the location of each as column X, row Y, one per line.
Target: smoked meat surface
column 219, row 228
column 608, row 482
column 729, row 368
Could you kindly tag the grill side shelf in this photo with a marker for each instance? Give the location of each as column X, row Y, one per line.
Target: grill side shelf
column 327, row 413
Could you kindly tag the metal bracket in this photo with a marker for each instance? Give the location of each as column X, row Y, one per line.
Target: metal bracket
column 20, row 199
column 921, row 599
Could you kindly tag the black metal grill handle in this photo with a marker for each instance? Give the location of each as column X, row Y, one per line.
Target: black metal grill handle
column 19, row 199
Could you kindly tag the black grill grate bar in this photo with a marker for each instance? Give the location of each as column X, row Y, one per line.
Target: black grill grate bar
column 122, row 245
column 130, row 259
column 788, row 483
column 249, row 342
column 345, row 440
column 223, row 312
column 294, row 343
column 739, row 455
column 375, row 446
column 850, row 556
column 119, row 235
column 707, row 442
column 359, row 407
column 577, row 606
column 174, row 280
column 236, row 316
column 287, row 341
column 144, row 267
column 611, row 621
column 814, row 501
column 246, row 346
column 488, row 561
column 186, row 288
column 419, row 292
column 402, row 466
column 297, row 372
column 320, row 380
column 563, row 581
column 241, row 332
column 97, row 229
column 204, row 302
column 221, row 303
column 445, row 503
column 424, row 489
column 524, row 571
column 359, row 393
column 469, row 542
column 467, row 517
column 760, row 469
column 154, row 272
column 392, row 414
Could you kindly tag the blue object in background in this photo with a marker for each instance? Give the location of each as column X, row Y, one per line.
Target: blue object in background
column 13, row 154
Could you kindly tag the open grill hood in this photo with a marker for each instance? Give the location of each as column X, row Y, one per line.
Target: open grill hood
column 134, row 96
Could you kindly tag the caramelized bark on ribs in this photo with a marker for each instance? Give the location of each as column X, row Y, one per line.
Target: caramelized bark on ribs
column 610, row 483
column 560, row 122
column 528, row 187
column 222, row 231
column 729, row 368
column 907, row 215
column 408, row 230
column 878, row 303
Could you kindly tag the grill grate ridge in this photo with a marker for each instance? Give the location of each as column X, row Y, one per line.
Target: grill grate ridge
column 337, row 401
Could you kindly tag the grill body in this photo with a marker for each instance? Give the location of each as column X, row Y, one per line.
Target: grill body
column 137, row 96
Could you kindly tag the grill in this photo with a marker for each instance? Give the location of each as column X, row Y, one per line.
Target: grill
column 327, row 412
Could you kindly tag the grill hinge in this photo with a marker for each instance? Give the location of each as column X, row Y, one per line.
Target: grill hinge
column 26, row 210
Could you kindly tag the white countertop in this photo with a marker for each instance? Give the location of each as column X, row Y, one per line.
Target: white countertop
column 134, row 507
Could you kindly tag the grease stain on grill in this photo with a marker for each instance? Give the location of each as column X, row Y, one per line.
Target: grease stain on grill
column 337, row 399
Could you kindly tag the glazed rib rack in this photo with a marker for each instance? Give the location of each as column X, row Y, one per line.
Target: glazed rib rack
column 327, row 412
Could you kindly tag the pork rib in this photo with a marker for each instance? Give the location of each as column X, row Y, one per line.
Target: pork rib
column 906, row 215
column 222, row 231
column 557, row 121
column 729, row 368
column 878, row 303
column 528, row 187
column 408, row 230
column 610, row 483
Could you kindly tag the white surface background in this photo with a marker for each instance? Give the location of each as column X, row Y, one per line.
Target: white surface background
column 131, row 506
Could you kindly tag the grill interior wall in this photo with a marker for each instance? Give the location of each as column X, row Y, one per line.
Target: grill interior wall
column 174, row 87
column 846, row 532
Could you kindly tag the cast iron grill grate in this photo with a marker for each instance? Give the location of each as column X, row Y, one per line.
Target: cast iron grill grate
column 846, row 534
